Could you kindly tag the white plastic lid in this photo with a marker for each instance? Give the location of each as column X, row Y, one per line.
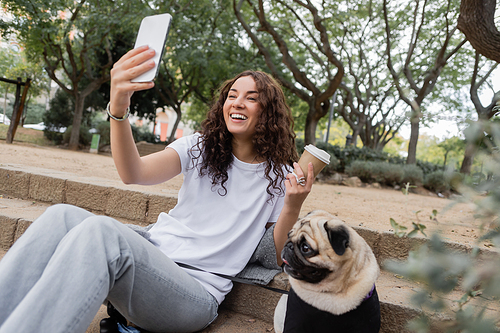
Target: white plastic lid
column 318, row 153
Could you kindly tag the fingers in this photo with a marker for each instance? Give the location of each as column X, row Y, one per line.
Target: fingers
column 298, row 170
column 297, row 186
column 132, row 64
column 310, row 173
column 297, row 178
column 301, row 179
column 132, row 53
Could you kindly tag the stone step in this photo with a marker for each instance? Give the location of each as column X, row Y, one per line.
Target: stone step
column 227, row 322
column 27, row 192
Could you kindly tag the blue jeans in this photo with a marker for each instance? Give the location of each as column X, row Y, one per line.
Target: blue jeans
column 70, row 261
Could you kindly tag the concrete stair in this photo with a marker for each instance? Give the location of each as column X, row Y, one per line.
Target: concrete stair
column 25, row 192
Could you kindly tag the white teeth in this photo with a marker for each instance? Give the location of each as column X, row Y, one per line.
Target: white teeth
column 238, row 116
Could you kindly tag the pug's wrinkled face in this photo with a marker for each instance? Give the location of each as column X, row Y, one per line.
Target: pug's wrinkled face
column 317, row 247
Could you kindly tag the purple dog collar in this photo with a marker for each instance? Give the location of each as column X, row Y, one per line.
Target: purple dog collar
column 369, row 294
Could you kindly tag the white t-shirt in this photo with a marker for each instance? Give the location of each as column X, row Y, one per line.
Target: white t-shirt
column 213, row 232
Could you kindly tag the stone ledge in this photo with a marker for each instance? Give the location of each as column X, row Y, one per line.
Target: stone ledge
column 58, row 187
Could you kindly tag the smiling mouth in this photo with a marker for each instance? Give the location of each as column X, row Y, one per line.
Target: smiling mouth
column 238, row 116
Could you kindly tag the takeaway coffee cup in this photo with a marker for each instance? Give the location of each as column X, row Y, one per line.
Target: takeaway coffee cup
column 318, row 157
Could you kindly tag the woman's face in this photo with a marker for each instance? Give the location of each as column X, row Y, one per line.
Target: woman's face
column 242, row 109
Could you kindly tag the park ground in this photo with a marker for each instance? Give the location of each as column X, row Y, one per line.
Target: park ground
column 358, row 206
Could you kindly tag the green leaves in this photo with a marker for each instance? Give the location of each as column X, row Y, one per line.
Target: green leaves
column 401, row 230
column 463, row 285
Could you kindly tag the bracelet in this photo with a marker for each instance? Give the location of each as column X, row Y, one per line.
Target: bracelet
column 125, row 116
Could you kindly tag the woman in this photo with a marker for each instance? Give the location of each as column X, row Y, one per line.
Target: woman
column 236, row 184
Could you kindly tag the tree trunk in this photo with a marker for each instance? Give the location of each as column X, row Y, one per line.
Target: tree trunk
column 470, row 151
column 178, row 112
column 477, row 22
column 310, row 128
column 74, row 139
column 355, row 135
column 5, row 103
column 15, row 110
column 412, row 146
column 18, row 109
column 445, row 159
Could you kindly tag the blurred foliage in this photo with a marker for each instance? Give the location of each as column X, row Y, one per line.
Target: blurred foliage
column 143, row 134
column 60, row 116
column 386, row 173
column 14, row 63
column 475, row 274
column 84, row 138
column 412, row 174
column 436, row 181
column 447, row 152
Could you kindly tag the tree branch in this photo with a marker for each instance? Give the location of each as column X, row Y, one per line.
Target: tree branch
column 267, row 55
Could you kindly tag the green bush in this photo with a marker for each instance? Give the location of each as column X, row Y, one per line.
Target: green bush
column 345, row 156
column 428, row 167
column 387, row 173
column 436, row 181
column 104, row 131
column 143, row 134
column 381, row 172
column 361, row 169
column 60, row 114
column 84, row 139
column 412, row 174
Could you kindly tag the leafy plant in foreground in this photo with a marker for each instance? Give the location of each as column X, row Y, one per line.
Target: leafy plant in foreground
column 462, row 286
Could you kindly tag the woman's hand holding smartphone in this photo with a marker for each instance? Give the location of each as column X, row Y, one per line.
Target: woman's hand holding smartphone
column 153, row 32
column 137, row 69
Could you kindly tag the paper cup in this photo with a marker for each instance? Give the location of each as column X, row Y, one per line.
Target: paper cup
column 318, row 157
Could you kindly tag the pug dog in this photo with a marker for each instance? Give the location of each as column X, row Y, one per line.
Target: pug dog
column 332, row 273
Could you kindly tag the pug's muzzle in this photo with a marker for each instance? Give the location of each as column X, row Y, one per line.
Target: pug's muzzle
column 296, row 264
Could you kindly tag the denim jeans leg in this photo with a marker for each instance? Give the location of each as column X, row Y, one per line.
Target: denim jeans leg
column 24, row 263
column 100, row 258
column 157, row 295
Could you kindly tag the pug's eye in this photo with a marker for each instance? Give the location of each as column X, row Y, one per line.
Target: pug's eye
column 305, row 248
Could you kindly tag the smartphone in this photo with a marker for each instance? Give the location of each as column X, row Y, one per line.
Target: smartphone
column 153, row 32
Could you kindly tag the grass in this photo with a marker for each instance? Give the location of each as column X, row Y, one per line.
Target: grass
column 26, row 135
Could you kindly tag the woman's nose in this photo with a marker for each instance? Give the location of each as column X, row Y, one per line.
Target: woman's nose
column 238, row 102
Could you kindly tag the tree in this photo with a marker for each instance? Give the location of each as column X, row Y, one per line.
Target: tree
column 302, row 35
column 368, row 98
column 68, row 36
column 416, row 63
column 452, row 146
column 202, row 51
column 13, row 64
column 143, row 103
column 477, row 22
column 484, row 113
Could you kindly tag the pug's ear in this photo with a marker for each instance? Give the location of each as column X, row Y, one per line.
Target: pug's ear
column 338, row 237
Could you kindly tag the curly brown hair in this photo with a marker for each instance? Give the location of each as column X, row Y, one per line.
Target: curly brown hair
column 274, row 138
